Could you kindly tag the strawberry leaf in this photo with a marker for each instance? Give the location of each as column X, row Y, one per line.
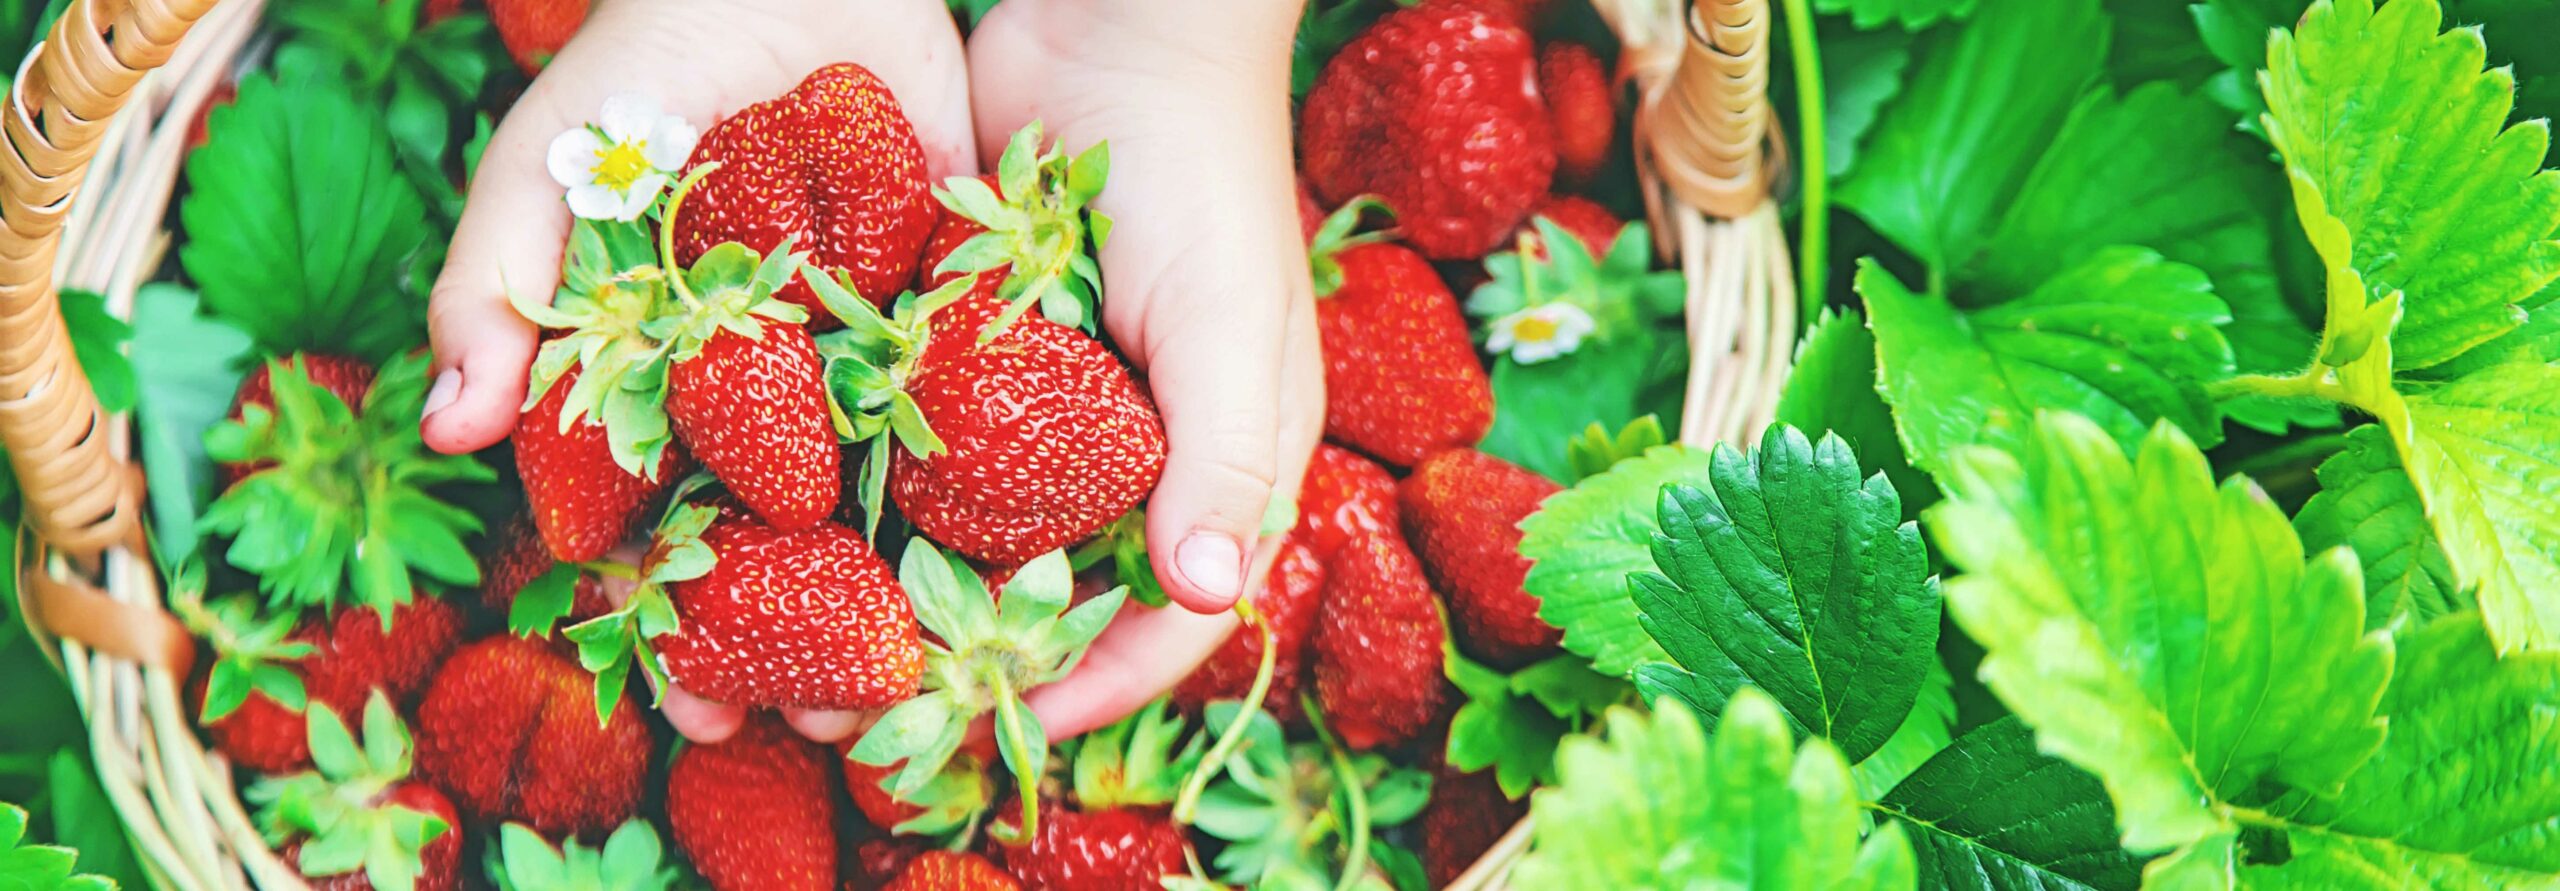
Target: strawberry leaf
column 1597, row 450
column 1992, row 813
column 543, row 602
column 26, row 865
column 1582, row 543
column 1832, row 389
column 2368, row 503
column 1909, row 14
column 1923, row 734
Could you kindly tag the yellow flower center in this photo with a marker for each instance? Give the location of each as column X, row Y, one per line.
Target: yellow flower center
column 621, row 164
column 1534, row 329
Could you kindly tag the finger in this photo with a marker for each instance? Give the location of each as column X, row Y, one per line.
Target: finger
column 701, row 720
column 509, row 240
column 828, row 726
column 1144, row 653
column 931, row 80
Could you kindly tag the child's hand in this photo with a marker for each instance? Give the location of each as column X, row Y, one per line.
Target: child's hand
column 700, row 59
column 1205, row 287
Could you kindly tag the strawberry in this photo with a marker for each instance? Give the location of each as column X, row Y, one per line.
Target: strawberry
column 753, row 410
column 879, row 861
column 952, row 871
column 1462, row 510
column 831, row 166
column 999, row 488
column 509, row 728
column 582, row 501
column 358, row 822
column 1401, row 376
column 949, row 801
column 753, row 812
column 439, row 10
column 223, row 94
column 806, row 619
column 1580, row 106
column 1109, row 849
column 1344, row 496
column 1592, row 224
column 1467, row 814
column 337, row 663
column 1288, row 604
column 631, row 860
column 1377, row 645
column 1435, row 110
column 519, row 559
column 535, row 30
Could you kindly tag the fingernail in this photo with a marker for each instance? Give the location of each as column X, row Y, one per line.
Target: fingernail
column 1212, row 563
column 448, row 385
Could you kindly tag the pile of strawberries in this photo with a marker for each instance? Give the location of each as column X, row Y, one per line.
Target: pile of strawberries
column 800, row 354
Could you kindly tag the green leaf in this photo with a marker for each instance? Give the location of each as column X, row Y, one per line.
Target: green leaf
column 1992, row 813
column 1753, row 811
column 1501, row 730
column 2399, row 134
column 1804, row 579
column 85, row 820
column 1597, row 450
column 1544, row 404
column 544, row 601
column 1910, row 14
column 2368, row 504
column 2151, row 626
column 38, row 867
column 97, row 340
column 1583, row 542
column 2125, row 338
column 1951, row 152
column 1923, row 734
column 187, row 365
column 2484, row 455
column 1862, row 72
column 1833, row 390
column 300, row 224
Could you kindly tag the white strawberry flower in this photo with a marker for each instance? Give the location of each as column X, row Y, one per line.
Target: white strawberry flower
column 615, row 168
column 1539, row 333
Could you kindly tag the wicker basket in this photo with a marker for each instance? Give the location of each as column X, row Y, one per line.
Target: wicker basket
column 100, row 113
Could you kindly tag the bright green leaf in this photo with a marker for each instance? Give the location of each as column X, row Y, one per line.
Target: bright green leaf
column 2367, row 503
column 1583, row 542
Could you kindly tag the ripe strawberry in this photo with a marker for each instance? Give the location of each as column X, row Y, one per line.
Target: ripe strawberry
column 1344, row 496
column 1288, row 605
column 350, row 657
column 1462, row 510
column 1109, row 849
column 952, row 871
column 806, row 619
column 381, row 829
column 1003, row 489
column 583, row 502
column 520, row 558
column 1378, row 660
column 509, row 729
column 1435, row 110
column 223, row 94
column 1590, row 223
column 1467, row 814
column 754, row 812
column 879, row 861
column 535, row 30
column 1401, row 376
column 834, row 167
column 439, row 10
column 1581, row 107
column 753, row 410
column 345, row 378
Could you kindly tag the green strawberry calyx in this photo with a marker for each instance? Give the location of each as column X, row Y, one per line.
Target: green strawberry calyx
column 990, row 652
column 729, row 288
column 250, row 648
column 1302, row 814
column 632, row 859
column 611, row 286
column 347, row 500
column 1138, row 762
column 338, row 809
column 868, row 364
column 610, row 644
column 1037, row 219
column 1338, row 233
column 950, row 803
column 1621, row 292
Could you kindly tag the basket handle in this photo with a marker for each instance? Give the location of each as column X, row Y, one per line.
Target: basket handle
column 79, row 496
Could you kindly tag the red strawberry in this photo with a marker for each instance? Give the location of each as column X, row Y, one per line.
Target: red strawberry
column 833, row 166
column 950, row 230
column 879, row 861
column 1005, row 489
column 754, row 813
column 1344, row 496
column 1112, row 849
column 1467, row 814
column 351, row 657
column 1401, row 377
column 952, row 871
column 509, row 729
column 1288, row 605
column 1462, row 510
column 754, row 412
column 439, row 10
column 1594, row 225
column 581, row 500
column 806, row 619
column 519, row 559
column 1581, row 107
column 223, row 94
column 1378, row 671
column 1435, row 110
column 535, row 30
column 348, row 379
column 439, row 862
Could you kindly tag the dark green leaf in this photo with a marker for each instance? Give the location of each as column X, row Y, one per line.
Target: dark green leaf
column 1992, row 813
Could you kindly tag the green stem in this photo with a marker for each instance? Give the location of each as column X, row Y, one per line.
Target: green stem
column 667, row 233
column 1356, row 863
column 1026, row 782
column 1813, row 247
column 1187, row 805
column 2310, row 382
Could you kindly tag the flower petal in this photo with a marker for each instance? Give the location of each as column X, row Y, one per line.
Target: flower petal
column 636, row 201
column 595, row 201
column 669, row 143
column 628, row 117
column 572, row 157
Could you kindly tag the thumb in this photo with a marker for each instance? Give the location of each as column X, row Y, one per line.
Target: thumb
column 510, row 238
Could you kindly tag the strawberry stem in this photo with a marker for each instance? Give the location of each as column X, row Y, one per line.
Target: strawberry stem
column 667, row 232
column 1356, row 796
column 1187, row 805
